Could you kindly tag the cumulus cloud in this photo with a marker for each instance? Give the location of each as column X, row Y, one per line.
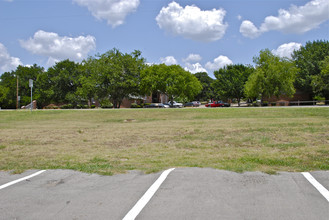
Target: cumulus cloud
column 7, row 62
column 113, row 11
column 286, row 50
column 58, row 48
column 194, row 68
column 192, row 23
column 248, row 29
column 169, row 60
column 296, row 20
column 218, row 63
column 192, row 58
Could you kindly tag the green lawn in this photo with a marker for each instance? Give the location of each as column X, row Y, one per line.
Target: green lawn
column 115, row 141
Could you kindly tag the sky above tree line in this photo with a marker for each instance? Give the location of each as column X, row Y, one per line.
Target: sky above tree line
column 199, row 35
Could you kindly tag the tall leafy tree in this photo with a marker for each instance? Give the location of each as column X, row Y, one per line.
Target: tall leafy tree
column 118, row 75
column 231, row 79
column 172, row 80
column 273, row 76
column 207, row 91
column 8, row 84
column 8, row 90
column 88, row 81
column 61, row 82
column 308, row 60
column 320, row 82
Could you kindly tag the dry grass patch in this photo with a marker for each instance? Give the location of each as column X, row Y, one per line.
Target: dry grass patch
column 114, row 141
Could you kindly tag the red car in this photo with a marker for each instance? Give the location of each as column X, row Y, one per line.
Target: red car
column 217, row 104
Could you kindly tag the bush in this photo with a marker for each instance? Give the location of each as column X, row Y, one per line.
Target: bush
column 51, row 106
column 67, row 106
column 93, row 106
column 265, row 103
column 273, row 103
column 135, row 105
column 319, row 98
column 106, row 104
column 81, row 106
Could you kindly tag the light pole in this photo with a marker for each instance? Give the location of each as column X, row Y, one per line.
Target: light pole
column 31, row 86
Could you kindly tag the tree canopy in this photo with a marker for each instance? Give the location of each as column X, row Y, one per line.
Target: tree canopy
column 308, row 60
column 113, row 76
column 172, row 80
column 273, row 76
column 230, row 81
column 320, row 82
column 207, row 91
column 117, row 75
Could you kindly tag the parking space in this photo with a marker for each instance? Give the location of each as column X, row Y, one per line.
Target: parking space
column 64, row 194
column 212, row 194
column 186, row 193
column 322, row 177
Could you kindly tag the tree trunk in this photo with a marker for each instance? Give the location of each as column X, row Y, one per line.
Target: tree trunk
column 89, row 103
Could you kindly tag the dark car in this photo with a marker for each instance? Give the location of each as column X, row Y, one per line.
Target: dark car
column 154, row 105
column 225, row 104
column 192, row 104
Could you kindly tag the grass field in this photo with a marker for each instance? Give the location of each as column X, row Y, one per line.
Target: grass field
column 115, row 141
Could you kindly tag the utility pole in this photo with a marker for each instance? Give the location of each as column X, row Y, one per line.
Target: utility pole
column 17, row 92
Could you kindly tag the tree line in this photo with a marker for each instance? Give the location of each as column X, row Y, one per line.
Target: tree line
column 114, row 76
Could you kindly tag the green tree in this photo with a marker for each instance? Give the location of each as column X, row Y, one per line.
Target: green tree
column 8, row 84
column 60, row 82
column 320, row 82
column 230, row 81
column 88, row 81
column 172, row 81
column 273, row 76
column 8, row 90
column 25, row 73
column 308, row 60
column 118, row 75
column 207, row 91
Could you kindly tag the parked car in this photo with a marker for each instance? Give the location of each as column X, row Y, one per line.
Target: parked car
column 218, row 104
column 176, row 104
column 166, row 105
column 192, row 104
column 154, row 105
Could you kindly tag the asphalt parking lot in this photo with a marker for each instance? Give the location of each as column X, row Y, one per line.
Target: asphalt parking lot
column 184, row 193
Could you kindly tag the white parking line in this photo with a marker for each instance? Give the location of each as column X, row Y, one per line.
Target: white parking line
column 317, row 185
column 21, row 179
column 132, row 214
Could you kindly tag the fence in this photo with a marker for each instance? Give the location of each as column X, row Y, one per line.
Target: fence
column 314, row 102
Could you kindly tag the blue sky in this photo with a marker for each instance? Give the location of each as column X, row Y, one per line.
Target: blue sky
column 199, row 35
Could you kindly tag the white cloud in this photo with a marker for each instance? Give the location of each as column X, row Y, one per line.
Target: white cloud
column 192, row 23
column 218, row 63
column 7, row 63
column 113, row 11
column 192, row 58
column 169, row 60
column 286, row 50
column 195, row 68
column 248, row 29
column 57, row 48
column 296, row 20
